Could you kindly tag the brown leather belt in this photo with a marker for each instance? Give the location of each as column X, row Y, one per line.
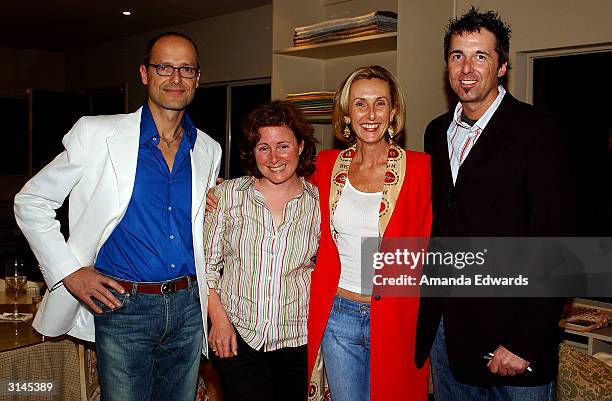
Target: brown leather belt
column 167, row 287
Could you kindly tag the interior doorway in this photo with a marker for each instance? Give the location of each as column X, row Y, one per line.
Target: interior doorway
column 578, row 88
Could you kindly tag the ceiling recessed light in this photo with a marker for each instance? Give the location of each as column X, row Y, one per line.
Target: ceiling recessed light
column 126, row 13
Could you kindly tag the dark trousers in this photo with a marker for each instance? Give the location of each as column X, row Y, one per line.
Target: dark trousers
column 279, row 375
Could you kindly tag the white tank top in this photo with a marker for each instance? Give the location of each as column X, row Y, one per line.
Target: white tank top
column 356, row 217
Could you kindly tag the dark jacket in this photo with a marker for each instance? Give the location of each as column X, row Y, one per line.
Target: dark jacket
column 513, row 183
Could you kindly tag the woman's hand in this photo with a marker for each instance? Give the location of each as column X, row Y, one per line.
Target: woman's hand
column 222, row 338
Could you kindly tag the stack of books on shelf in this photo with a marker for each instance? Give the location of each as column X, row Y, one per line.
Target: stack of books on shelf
column 313, row 104
column 580, row 317
column 346, row 28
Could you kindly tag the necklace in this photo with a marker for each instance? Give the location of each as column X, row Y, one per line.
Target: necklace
column 177, row 136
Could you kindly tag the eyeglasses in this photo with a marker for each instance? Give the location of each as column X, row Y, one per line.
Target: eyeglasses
column 166, row 70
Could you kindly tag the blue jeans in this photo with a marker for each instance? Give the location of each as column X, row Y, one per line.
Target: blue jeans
column 447, row 388
column 149, row 348
column 346, row 350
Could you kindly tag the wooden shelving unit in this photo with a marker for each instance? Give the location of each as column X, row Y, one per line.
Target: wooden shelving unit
column 383, row 42
column 326, row 119
column 323, row 66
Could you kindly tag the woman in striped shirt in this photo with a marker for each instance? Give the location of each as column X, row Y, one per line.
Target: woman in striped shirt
column 261, row 241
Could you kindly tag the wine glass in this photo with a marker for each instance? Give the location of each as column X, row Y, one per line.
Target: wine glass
column 17, row 281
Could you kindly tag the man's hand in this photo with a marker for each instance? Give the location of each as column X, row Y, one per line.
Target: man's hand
column 222, row 338
column 505, row 363
column 211, row 200
column 86, row 283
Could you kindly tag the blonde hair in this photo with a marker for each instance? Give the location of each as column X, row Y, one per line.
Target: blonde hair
column 341, row 101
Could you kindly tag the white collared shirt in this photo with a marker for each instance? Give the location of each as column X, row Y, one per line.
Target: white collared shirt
column 461, row 137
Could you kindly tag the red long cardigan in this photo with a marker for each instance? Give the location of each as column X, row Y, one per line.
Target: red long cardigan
column 393, row 375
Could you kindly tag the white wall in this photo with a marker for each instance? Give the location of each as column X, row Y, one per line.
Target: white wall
column 548, row 24
column 536, row 25
column 232, row 46
column 421, row 68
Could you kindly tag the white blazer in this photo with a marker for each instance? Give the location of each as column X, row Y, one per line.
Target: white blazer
column 97, row 169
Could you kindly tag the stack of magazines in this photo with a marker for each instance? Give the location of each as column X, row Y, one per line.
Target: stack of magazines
column 346, row 28
column 313, row 104
column 579, row 317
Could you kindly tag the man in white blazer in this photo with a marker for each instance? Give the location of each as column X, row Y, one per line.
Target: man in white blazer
column 136, row 185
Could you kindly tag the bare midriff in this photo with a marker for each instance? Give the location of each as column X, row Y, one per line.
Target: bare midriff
column 353, row 296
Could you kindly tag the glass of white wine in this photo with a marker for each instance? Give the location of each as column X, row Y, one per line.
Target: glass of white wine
column 17, row 281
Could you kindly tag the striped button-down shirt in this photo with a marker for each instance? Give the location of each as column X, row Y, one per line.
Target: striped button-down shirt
column 461, row 137
column 262, row 271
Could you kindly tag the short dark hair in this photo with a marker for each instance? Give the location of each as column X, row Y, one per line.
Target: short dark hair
column 277, row 113
column 473, row 21
column 156, row 38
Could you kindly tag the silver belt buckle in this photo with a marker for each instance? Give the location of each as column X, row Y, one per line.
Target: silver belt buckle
column 167, row 287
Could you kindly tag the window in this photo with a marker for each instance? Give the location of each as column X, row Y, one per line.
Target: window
column 218, row 109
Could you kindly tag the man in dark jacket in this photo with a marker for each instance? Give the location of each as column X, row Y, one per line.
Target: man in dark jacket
column 498, row 170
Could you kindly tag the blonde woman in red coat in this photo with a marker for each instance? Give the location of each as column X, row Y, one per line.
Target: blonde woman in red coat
column 372, row 189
